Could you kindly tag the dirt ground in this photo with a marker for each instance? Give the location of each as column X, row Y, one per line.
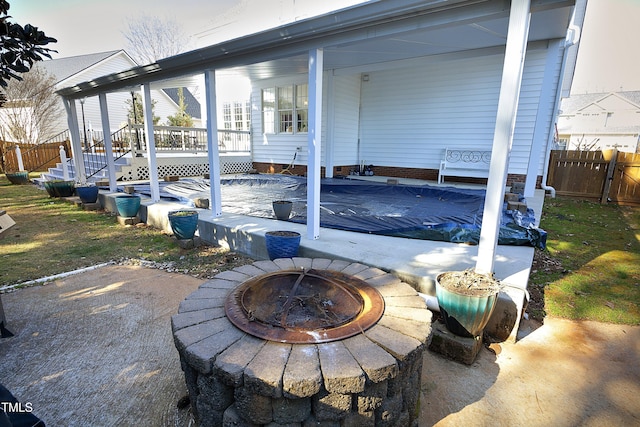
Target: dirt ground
column 96, row 350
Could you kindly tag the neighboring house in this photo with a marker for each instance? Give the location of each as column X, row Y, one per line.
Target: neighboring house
column 71, row 70
column 600, row 121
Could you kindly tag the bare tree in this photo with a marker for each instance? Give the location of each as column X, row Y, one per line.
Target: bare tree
column 32, row 109
column 150, row 38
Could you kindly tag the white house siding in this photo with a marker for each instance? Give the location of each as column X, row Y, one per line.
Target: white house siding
column 410, row 115
column 406, row 117
column 344, row 123
column 276, row 148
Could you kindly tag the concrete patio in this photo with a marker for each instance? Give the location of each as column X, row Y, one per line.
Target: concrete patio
column 96, row 349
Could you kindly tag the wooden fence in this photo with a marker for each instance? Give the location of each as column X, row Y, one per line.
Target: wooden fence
column 605, row 176
column 35, row 158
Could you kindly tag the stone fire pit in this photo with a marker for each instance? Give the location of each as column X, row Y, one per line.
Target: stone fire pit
column 235, row 378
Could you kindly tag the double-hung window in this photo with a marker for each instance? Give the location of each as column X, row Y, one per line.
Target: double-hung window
column 285, row 109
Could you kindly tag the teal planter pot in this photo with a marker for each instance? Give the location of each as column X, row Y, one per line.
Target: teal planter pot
column 60, row 188
column 466, row 311
column 18, row 178
column 87, row 194
column 184, row 223
column 282, row 244
column 127, row 205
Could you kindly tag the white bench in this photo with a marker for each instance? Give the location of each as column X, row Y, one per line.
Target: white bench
column 464, row 162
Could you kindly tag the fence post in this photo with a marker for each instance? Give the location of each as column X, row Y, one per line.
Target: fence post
column 607, row 181
column 19, row 157
column 63, row 160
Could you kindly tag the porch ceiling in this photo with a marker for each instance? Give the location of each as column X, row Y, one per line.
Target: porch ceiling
column 359, row 38
column 373, row 52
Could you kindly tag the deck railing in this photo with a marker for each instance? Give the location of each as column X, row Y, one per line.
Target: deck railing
column 174, row 139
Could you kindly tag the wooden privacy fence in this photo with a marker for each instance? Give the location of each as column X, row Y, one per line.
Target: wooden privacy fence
column 39, row 157
column 606, row 176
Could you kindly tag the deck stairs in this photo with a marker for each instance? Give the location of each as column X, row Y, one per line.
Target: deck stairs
column 122, row 166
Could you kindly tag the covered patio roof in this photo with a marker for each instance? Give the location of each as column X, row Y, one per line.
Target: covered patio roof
column 360, row 38
column 369, row 36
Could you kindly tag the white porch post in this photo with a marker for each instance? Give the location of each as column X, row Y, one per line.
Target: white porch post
column 517, row 36
column 546, row 103
column 151, row 143
column 316, row 57
column 108, row 145
column 212, row 142
column 76, row 144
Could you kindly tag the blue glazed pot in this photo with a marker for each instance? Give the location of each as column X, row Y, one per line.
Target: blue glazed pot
column 282, row 244
column 128, row 205
column 184, row 223
column 465, row 315
column 88, row 194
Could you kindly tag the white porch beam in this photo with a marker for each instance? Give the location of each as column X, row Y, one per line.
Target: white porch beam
column 108, row 144
column 316, row 59
column 212, row 142
column 147, row 113
column 76, row 144
column 517, row 36
column 550, row 82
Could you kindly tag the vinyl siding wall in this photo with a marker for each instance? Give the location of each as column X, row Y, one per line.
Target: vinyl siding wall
column 409, row 116
column 406, row 117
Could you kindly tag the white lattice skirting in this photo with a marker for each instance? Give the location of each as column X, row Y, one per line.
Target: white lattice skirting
column 188, row 167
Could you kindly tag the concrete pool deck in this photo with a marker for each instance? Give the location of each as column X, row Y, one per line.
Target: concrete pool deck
column 416, row 262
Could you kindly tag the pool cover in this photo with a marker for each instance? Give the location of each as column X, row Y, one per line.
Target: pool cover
column 419, row 212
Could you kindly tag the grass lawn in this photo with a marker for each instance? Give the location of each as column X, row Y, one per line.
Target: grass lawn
column 591, row 268
column 52, row 236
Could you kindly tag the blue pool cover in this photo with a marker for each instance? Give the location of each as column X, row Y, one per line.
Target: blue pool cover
column 419, row 212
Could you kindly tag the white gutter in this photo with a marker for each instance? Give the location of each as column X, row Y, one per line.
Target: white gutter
column 573, row 36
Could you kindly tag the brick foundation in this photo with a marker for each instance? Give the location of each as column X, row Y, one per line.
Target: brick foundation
column 394, row 172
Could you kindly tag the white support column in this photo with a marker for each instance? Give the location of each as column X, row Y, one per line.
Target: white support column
column 550, row 81
column 517, row 36
column 316, row 57
column 76, row 144
column 212, row 142
column 147, row 113
column 108, row 144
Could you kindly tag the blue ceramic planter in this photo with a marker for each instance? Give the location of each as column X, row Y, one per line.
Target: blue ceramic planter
column 282, row 244
column 127, row 205
column 464, row 315
column 183, row 223
column 88, row 194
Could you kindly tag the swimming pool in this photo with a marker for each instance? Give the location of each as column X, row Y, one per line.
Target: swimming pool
column 411, row 211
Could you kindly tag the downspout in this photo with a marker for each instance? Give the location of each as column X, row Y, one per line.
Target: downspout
column 573, row 36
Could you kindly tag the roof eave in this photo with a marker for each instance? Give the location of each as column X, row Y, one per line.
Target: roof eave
column 354, row 23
